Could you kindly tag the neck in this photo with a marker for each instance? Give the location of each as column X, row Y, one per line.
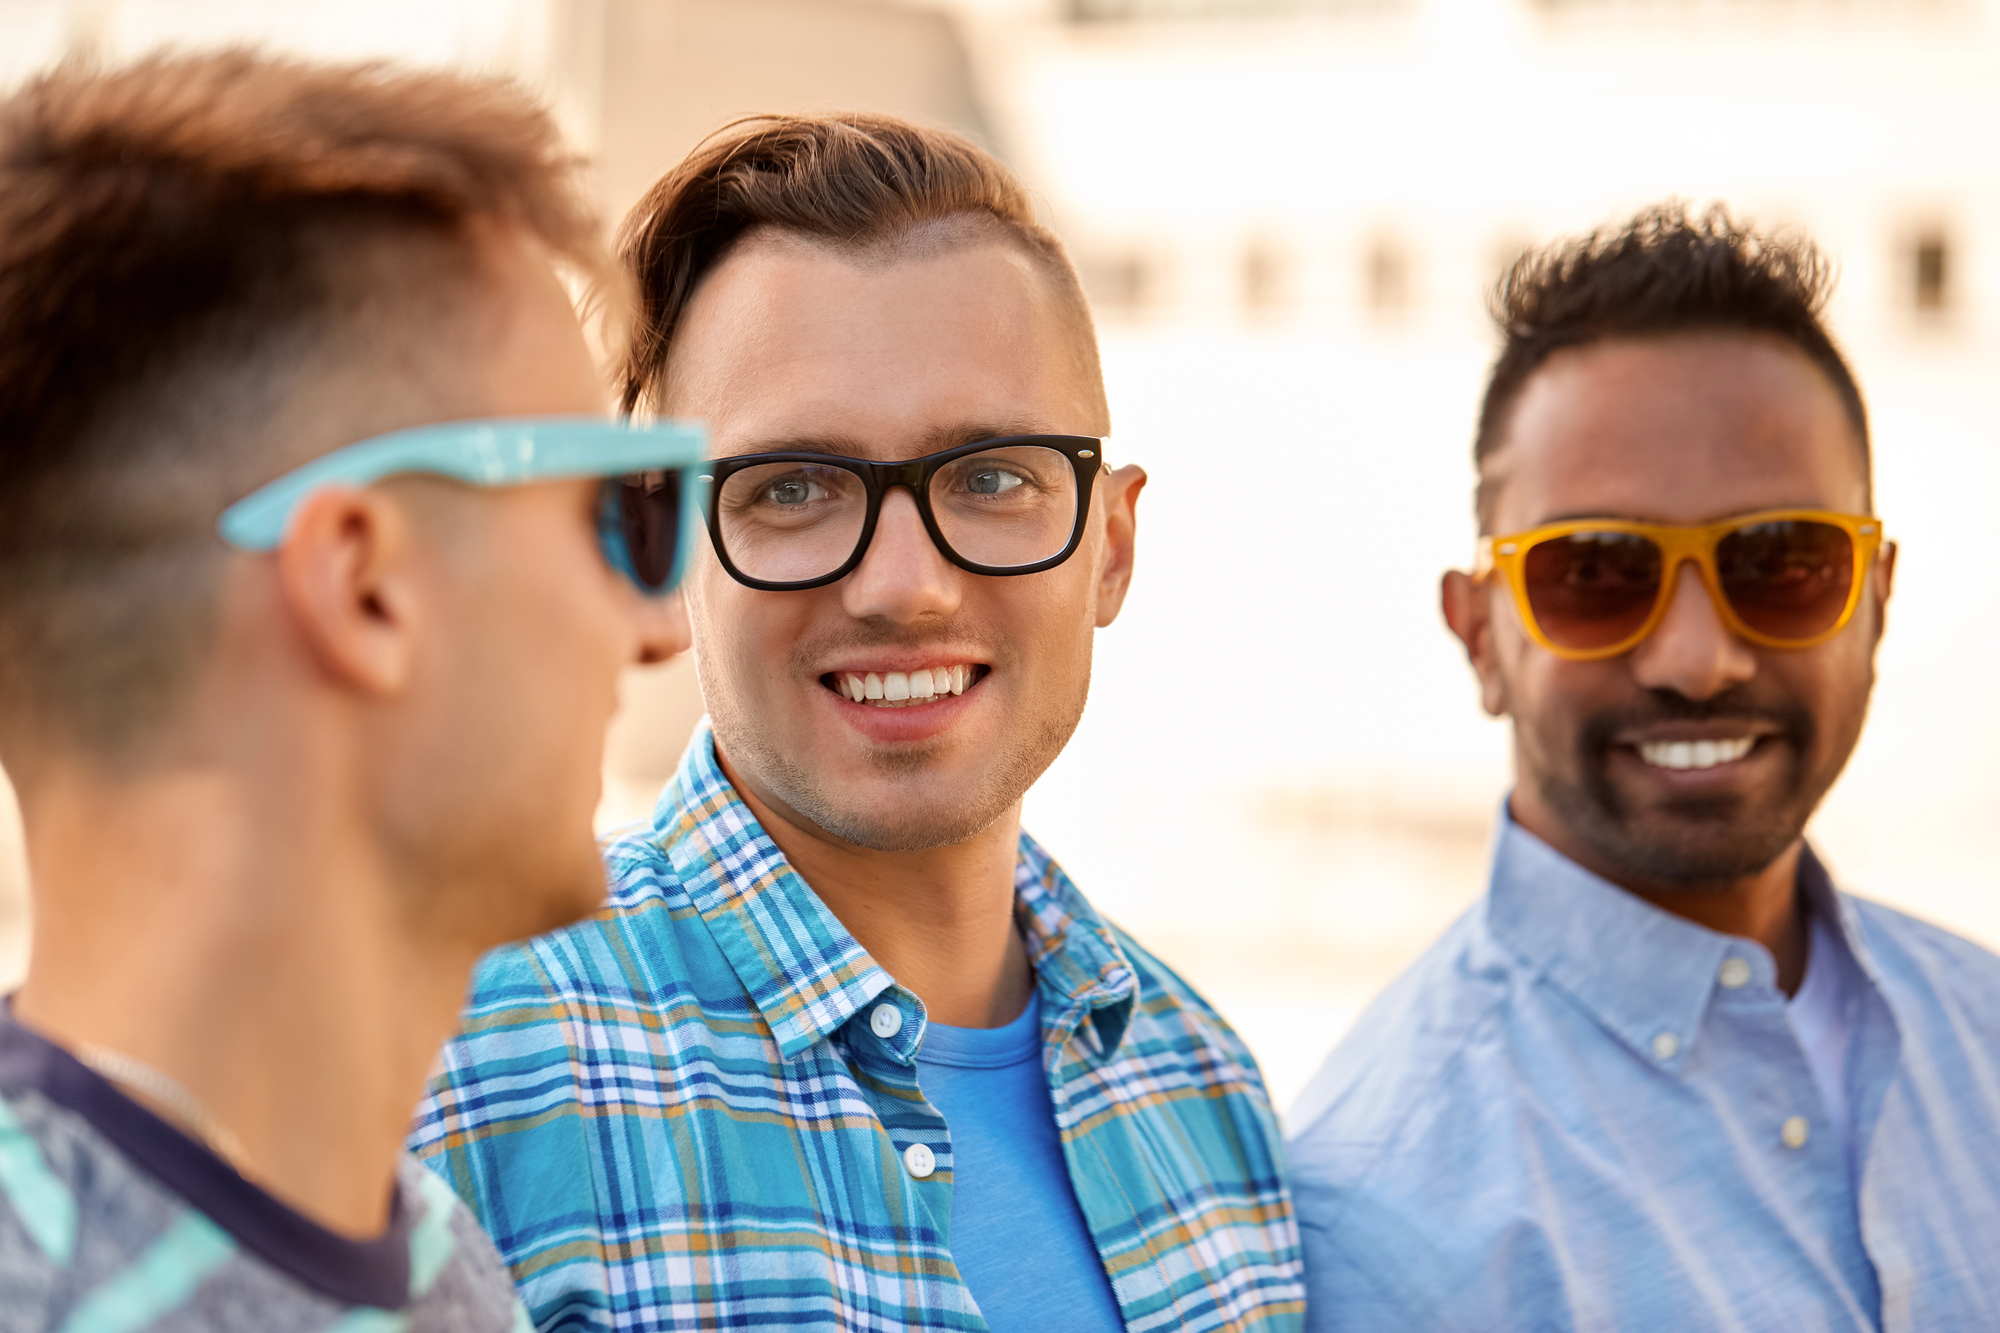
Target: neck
column 940, row 920
column 244, row 939
column 1764, row 907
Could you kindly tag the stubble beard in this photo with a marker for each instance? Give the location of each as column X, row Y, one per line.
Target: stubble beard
column 1694, row 842
column 923, row 818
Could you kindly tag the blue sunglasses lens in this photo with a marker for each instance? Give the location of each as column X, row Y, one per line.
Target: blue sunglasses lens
column 643, row 512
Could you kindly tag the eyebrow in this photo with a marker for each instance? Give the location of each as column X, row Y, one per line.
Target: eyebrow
column 1589, row 515
column 935, row 440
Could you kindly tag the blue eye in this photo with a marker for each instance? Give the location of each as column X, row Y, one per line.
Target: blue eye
column 991, row 481
column 793, row 491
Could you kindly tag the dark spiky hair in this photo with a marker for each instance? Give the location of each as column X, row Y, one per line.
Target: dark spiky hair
column 1666, row 271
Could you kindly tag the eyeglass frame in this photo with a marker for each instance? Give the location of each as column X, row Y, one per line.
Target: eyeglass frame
column 1086, row 459
column 1679, row 543
column 495, row 451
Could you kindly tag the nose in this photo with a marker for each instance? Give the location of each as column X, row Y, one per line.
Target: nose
column 903, row 577
column 1692, row 652
column 663, row 629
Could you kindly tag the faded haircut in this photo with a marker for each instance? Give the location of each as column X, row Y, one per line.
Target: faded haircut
column 197, row 255
column 1666, row 271
column 868, row 187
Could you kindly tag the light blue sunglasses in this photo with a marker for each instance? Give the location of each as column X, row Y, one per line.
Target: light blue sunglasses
column 646, row 520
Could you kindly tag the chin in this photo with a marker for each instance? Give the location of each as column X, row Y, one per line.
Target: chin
column 908, row 811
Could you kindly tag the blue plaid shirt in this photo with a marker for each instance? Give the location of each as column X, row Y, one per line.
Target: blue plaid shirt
column 678, row 1114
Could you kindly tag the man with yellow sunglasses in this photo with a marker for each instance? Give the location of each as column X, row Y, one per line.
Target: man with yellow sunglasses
column 1665, row 1075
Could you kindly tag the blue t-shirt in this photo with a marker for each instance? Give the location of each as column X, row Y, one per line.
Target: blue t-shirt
column 1016, row 1231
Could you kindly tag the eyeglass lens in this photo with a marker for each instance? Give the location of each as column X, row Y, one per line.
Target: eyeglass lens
column 648, row 514
column 1787, row 580
column 792, row 522
column 1592, row 589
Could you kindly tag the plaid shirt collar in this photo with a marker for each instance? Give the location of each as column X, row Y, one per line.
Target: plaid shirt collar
column 806, row 972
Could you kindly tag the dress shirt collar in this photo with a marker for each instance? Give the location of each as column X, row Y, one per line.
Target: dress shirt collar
column 1644, row 973
column 806, row 972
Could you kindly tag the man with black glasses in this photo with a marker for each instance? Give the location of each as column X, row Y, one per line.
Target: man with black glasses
column 1664, row 1075
column 849, row 1050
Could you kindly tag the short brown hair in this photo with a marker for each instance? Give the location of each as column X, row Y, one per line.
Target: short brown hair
column 1665, row 271
column 852, row 182
column 186, row 245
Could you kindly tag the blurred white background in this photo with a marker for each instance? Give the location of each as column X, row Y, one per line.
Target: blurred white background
column 1288, row 213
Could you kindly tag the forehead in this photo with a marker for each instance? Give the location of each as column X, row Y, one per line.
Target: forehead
column 1681, row 429
column 791, row 342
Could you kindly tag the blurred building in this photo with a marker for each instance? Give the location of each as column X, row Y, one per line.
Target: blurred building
column 1287, row 213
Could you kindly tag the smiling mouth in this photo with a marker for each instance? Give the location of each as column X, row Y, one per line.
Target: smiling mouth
column 1683, row 756
column 903, row 689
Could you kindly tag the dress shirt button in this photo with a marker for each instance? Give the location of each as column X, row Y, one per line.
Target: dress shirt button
column 1666, row 1046
column 1795, row 1132
column 886, row 1022
column 919, row 1161
column 1735, row 973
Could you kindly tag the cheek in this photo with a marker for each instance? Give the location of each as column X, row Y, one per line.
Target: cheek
column 749, row 636
column 1047, row 621
column 1550, row 698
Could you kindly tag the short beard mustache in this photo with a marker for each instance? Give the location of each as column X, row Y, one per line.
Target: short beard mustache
column 1689, row 842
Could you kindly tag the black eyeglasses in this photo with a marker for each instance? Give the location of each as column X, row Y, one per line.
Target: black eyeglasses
column 789, row 521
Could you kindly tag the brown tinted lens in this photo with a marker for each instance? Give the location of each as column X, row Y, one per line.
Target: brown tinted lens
column 1787, row 580
column 649, row 514
column 1592, row 589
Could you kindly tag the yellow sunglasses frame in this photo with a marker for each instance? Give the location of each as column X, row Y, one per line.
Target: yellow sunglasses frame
column 1508, row 554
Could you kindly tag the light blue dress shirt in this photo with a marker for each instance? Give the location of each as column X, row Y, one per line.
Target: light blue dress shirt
column 1017, row 1235
column 1578, row 1111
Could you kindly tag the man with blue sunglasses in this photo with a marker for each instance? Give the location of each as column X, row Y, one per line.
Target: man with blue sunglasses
column 319, row 563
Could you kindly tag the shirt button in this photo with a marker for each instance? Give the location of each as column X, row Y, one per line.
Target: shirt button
column 1735, row 973
column 1795, row 1132
column 886, row 1021
column 1666, row 1046
column 919, row 1161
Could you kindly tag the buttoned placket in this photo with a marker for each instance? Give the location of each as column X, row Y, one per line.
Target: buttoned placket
column 881, row 1042
column 1775, row 1089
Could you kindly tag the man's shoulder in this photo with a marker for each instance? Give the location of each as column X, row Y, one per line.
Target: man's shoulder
column 1415, row 1116
column 457, row 1278
column 647, row 939
column 1924, row 943
column 1169, row 1013
column 1932, row 968
column 90, row 1236
column 73, row 1211
column 1420, row 1061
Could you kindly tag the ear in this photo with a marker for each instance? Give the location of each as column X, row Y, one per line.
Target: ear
column 1468, row 609
column 1883, row 576
column 1121, row 529
column 345, row 569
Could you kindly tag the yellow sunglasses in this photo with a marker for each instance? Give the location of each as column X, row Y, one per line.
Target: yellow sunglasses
column 1596, row 587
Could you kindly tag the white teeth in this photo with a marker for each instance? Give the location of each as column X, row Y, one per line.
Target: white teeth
column 1696, row 754
column 904, row 687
